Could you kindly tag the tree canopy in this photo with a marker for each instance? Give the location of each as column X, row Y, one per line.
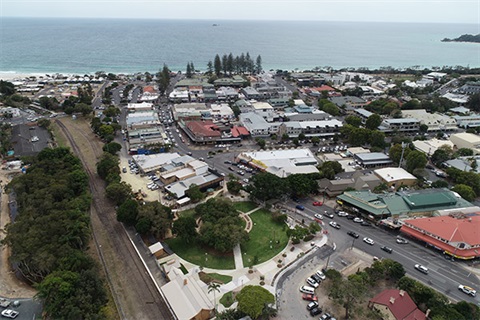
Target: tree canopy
column 221, row 228
column 51, row 233
column 252, row 300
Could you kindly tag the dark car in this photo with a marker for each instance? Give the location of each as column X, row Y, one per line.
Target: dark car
column 312, row 305
column 350, row 217
column 387, row 249
column 353, row 234
column 366, row 224
column 300, row 207
column 328, row 215
column 315, row 312
column 316, row 277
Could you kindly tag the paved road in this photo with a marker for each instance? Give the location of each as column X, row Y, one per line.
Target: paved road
column 444, row 276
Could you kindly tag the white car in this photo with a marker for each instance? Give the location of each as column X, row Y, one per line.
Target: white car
column 358, row 220
column 334, row 224
column 467, row 290
column 402, row 240
column 342, row 214
column 9, row 313
column 318, row 216
column 421, row 268
column 368, row 241
column 320, row 275
column 312, row 282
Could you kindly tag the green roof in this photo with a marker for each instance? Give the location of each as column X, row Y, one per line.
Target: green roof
column 403, row 202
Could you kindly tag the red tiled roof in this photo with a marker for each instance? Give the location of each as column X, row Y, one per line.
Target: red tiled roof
column 149, row 89
column 400, row 304
column 235, row 132
column 451, row 230
column 242, row 130
column 324, row 88
column 204, row 128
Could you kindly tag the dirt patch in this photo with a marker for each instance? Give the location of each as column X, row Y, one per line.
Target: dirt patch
column 10, row 285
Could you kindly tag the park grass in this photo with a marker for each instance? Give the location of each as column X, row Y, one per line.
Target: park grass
column 245, row 206
column 267, row 238
column 227, row 299
column 194, row 253
column 216, row 277
column 187, row 213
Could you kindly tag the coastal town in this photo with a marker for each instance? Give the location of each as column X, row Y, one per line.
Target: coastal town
column 243, row 193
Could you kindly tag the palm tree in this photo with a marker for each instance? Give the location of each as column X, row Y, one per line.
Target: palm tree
column 215, row 287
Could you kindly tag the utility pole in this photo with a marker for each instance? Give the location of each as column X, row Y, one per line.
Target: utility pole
column 404, row 145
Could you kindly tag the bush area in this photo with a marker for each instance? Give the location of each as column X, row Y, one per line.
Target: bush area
column 51, row 233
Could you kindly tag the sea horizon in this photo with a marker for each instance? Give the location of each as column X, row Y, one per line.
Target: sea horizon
column 45, row 46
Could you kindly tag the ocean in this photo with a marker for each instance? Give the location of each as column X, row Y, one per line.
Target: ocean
column 34, row 45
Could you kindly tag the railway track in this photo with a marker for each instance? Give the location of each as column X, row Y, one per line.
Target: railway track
column 133, row 290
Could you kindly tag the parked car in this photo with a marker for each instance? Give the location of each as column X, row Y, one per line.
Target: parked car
column 325, row 316
column 401, row 240
column 334, row 224
column 124, row 169
column 307, row 289
column 9, row 313
column 309, row 297
column 366, row 224
column 342, row 214
column 300, row 207
column 317, row 203
column 353, row 234
column 318, row 216
column 467, row 290
column 368, row 241
column 320, row 274
column 350, row 217
column 387, row 249
column 312, row 282
column 358, row 220
column 316, row 278
column 421, row 268
column 315, row 312
column 312, row 305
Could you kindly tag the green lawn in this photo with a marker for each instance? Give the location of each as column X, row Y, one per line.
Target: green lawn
column 227, row 299
column 246, row 206
column 187, row 213
column 265, row 234
column 195, row 254
column 221, row 277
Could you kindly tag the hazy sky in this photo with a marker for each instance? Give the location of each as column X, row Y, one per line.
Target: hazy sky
column 456, row 11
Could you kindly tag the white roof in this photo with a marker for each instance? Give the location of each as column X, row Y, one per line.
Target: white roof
column 261, row 105
column 152, row 161
column 430, row 146
column 186, row 297
column 468, row 137
column 394, row 174
column 154, row 248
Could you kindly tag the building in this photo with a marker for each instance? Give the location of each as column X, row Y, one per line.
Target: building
column 359, row 181
column 400, row 125
column 207, row 180
column 466, row 140
column 257, row 125
column 465, row 164
column 250, row 93
column 206, row 132
column 191, row 111
column 470, row 121
column 187, row 296
column 472, row 87
column 372, row 159
column 363, row 114
column 456, row 234
column 155, row 162
column 430, row 146
column 401, row 203
column 396, row 177
column 139, row 107
column 320, row 128
column 142, row 119
column 394, row 304
column 281, row 162
column 434, row 121
column 348, row 101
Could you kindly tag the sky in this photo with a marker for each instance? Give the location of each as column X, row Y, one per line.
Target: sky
column 443, row 11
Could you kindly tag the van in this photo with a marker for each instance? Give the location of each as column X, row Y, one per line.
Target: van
column 307, row 290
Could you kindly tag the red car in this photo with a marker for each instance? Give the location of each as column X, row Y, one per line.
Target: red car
column 318, row 203
column 309, row 297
